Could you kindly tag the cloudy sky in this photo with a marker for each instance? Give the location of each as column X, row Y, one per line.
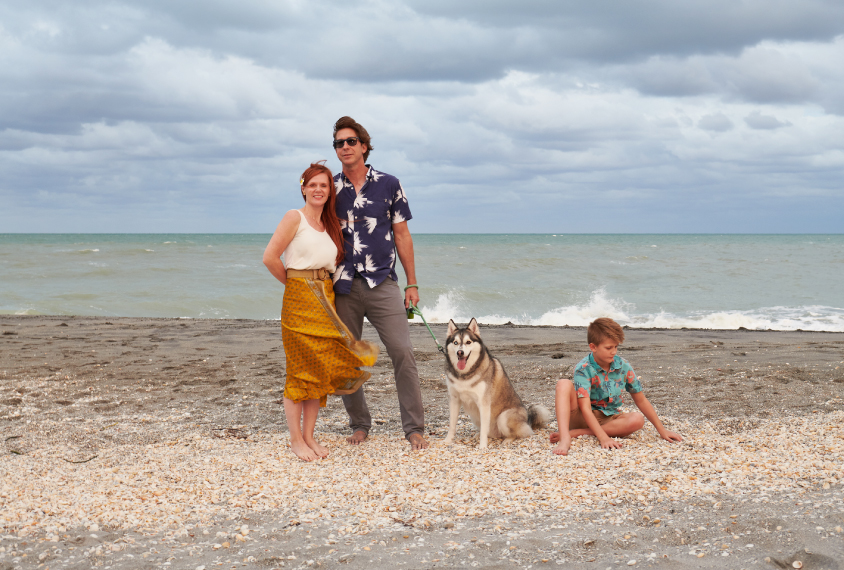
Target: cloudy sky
column 536, row 116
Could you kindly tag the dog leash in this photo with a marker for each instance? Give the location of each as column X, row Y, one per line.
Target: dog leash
column 414, row 311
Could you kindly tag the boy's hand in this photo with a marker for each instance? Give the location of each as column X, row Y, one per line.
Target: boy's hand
column 610, row 443
column 671, row 436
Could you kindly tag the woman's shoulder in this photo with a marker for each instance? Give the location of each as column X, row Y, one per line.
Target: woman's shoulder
column 294, row 216
column 292, row 219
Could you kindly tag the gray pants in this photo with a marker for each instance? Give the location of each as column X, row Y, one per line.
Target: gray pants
column 384, row 307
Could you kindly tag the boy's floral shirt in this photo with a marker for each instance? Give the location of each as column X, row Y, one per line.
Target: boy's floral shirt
column 604, row 388
column 366, row 219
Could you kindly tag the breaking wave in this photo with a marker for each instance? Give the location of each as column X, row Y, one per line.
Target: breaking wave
column 452, row 305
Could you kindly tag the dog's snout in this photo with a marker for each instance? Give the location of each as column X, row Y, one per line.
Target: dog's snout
column 460, row 354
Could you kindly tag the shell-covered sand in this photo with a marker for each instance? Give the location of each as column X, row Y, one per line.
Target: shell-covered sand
column 194, row 476
column 134, row 428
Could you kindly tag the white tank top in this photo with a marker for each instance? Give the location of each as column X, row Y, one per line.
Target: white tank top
column 310, row 249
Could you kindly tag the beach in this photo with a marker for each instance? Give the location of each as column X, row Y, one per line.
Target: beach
column 143, row 443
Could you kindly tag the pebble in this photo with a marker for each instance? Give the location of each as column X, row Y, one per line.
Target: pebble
column 193, row 477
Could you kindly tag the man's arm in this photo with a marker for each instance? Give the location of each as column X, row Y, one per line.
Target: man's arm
column 404, row 247
column 592, row 423
column 646, row 408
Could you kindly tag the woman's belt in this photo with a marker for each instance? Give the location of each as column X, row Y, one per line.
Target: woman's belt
column 318, row 274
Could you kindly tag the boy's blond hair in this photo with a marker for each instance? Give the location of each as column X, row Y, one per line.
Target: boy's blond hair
column 602, row 329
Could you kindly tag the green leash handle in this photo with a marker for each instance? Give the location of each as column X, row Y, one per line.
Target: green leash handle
column 414, row 311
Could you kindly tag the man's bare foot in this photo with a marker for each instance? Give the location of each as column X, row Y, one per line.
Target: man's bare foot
column 564, row 445
column 302, row 451
column 417, row 441
column 357, row 437
column 320, row 450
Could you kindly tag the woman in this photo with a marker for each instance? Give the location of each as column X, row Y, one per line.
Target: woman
column 322, row 356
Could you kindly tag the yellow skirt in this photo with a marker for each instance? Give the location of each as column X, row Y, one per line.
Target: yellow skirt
column 322, row 355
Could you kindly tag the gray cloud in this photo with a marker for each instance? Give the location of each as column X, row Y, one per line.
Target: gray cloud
column 716, row 122
column 765, row 74
column 173, row 116
column 757, row 120
column 467, row 41
column 607, row 31
column 670, row 77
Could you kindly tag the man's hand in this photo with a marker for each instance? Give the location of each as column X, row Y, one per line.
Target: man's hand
column 411, row 296
column 404, row 247
column 671, row 436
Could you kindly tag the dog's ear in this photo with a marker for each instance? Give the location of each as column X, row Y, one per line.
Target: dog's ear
column 451, row 327
column 473, row 327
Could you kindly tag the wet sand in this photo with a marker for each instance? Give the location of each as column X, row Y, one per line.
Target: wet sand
column 115, row 393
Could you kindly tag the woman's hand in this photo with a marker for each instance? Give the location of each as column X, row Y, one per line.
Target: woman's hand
column 284, row 234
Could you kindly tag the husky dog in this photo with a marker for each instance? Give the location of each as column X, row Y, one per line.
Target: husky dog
column 478, row 381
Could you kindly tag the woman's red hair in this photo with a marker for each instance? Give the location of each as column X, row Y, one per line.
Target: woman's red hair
column 329, row 213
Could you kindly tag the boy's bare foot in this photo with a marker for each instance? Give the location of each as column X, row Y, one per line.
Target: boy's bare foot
column 320, row 450
column 417, row 441
column 574, row 434
column 302, row 451
column 564, row 445
column 357, row 437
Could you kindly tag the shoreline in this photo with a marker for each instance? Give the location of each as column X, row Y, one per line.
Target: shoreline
column 421, row 324
column 127, row 439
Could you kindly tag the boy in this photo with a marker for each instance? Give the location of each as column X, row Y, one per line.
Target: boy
column 590, row 405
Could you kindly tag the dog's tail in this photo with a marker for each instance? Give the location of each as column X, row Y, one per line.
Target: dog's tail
column 538, row 416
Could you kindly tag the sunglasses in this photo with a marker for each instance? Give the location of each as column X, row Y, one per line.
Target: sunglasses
column 353, row 141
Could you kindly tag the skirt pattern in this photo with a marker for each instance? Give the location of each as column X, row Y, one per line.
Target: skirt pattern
column 322, row 355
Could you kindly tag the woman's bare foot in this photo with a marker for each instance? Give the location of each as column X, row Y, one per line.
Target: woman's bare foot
column 320, row 450
column 417, row 441
column 564, row 445
column 357, row 437
column 302, row 451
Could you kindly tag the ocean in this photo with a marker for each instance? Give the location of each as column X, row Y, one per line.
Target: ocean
column 778, row 282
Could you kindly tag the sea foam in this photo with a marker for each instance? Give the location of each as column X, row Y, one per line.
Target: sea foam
column 452, row 305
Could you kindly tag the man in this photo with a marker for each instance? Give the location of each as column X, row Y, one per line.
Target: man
column 373, row 213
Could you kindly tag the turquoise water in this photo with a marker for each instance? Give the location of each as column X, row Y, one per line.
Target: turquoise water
column 781, row 282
